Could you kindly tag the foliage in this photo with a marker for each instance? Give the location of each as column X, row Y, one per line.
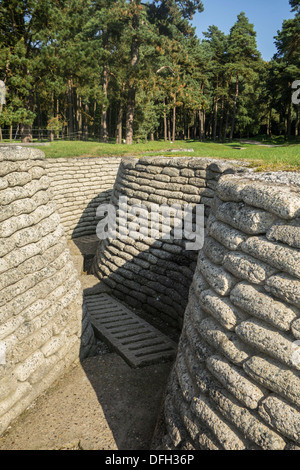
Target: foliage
column 103, row 68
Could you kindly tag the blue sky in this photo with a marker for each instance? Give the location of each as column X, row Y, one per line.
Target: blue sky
column 266, row 15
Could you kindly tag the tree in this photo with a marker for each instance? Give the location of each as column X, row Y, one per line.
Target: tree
column 96, row 67
column 217, row 42
column 295, row 4
column 157, row 22
column 243, row 58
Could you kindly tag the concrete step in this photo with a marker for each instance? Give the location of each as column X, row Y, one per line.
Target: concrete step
column 138, row 342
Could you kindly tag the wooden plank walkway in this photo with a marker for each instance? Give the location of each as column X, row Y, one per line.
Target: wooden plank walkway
column 139, row 343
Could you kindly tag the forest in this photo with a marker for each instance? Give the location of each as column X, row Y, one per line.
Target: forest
column 125, row 71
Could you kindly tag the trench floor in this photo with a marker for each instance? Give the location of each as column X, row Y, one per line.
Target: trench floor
column 102, row 403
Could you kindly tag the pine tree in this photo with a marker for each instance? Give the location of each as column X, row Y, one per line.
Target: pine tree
column 243, row 58
column 217, row 42
column 295, row 4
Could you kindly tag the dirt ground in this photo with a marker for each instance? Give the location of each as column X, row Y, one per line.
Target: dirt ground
column 100, row 404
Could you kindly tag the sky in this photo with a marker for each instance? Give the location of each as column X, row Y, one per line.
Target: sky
column 266, row 15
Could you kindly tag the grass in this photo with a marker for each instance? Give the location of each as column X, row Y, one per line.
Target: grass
column 283, row 156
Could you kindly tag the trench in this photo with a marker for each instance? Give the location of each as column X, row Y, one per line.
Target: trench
column 148, row 349
column 232, row 309
column 149, row 281
column 247, row 270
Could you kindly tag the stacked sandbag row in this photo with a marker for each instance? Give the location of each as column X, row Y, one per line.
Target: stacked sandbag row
column 79, row 186
column 235, row 384
column 153, row 274
column 43, row 323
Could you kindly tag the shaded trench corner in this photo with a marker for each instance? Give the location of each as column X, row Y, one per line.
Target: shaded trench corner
column 131, row 398
column 157, row 293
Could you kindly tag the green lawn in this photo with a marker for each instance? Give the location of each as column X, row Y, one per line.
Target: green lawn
column 280, row 157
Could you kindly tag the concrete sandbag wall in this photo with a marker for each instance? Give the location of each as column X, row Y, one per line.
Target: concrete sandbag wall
column 149, row 274
column 235, row 384
column 79, row 185
column 43, row 323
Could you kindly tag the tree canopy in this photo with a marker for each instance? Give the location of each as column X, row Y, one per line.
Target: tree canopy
column 131, row 70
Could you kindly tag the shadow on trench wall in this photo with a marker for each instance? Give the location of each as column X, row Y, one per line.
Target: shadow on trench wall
column 85, row 240
column 131, row 399
column 152, row 277
column 161, row 301
column 157, row 291
column 88, row 220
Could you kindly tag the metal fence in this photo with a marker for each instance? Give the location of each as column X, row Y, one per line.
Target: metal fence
column 44, row 135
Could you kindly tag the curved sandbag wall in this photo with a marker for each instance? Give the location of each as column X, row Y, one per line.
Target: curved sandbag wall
column 154, row 274
column 79, row 185
column 43, row 323
column 235, row 384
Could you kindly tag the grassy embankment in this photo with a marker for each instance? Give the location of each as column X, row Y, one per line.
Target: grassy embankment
column 271, row 155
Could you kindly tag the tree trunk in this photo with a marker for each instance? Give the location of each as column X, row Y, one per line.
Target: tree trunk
column 131, row 88
column 109, row 112
column 165, row 124
column 174, row 121
column 79, row 117
column 201, row 125
column 119, row 125
column 130, row 115
column 215, row 120
column 169, row 127
column 226, row 124
column 38, row 115
column 103, row 130
column 216, row 112
column 201, row 115
column 70, row 110
column 269, row 124
column 183, row 124
column 85, row 123
column 57, row 115
column 221, row 120
column 195, row 125
column 234, row 109
column 94, row 119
